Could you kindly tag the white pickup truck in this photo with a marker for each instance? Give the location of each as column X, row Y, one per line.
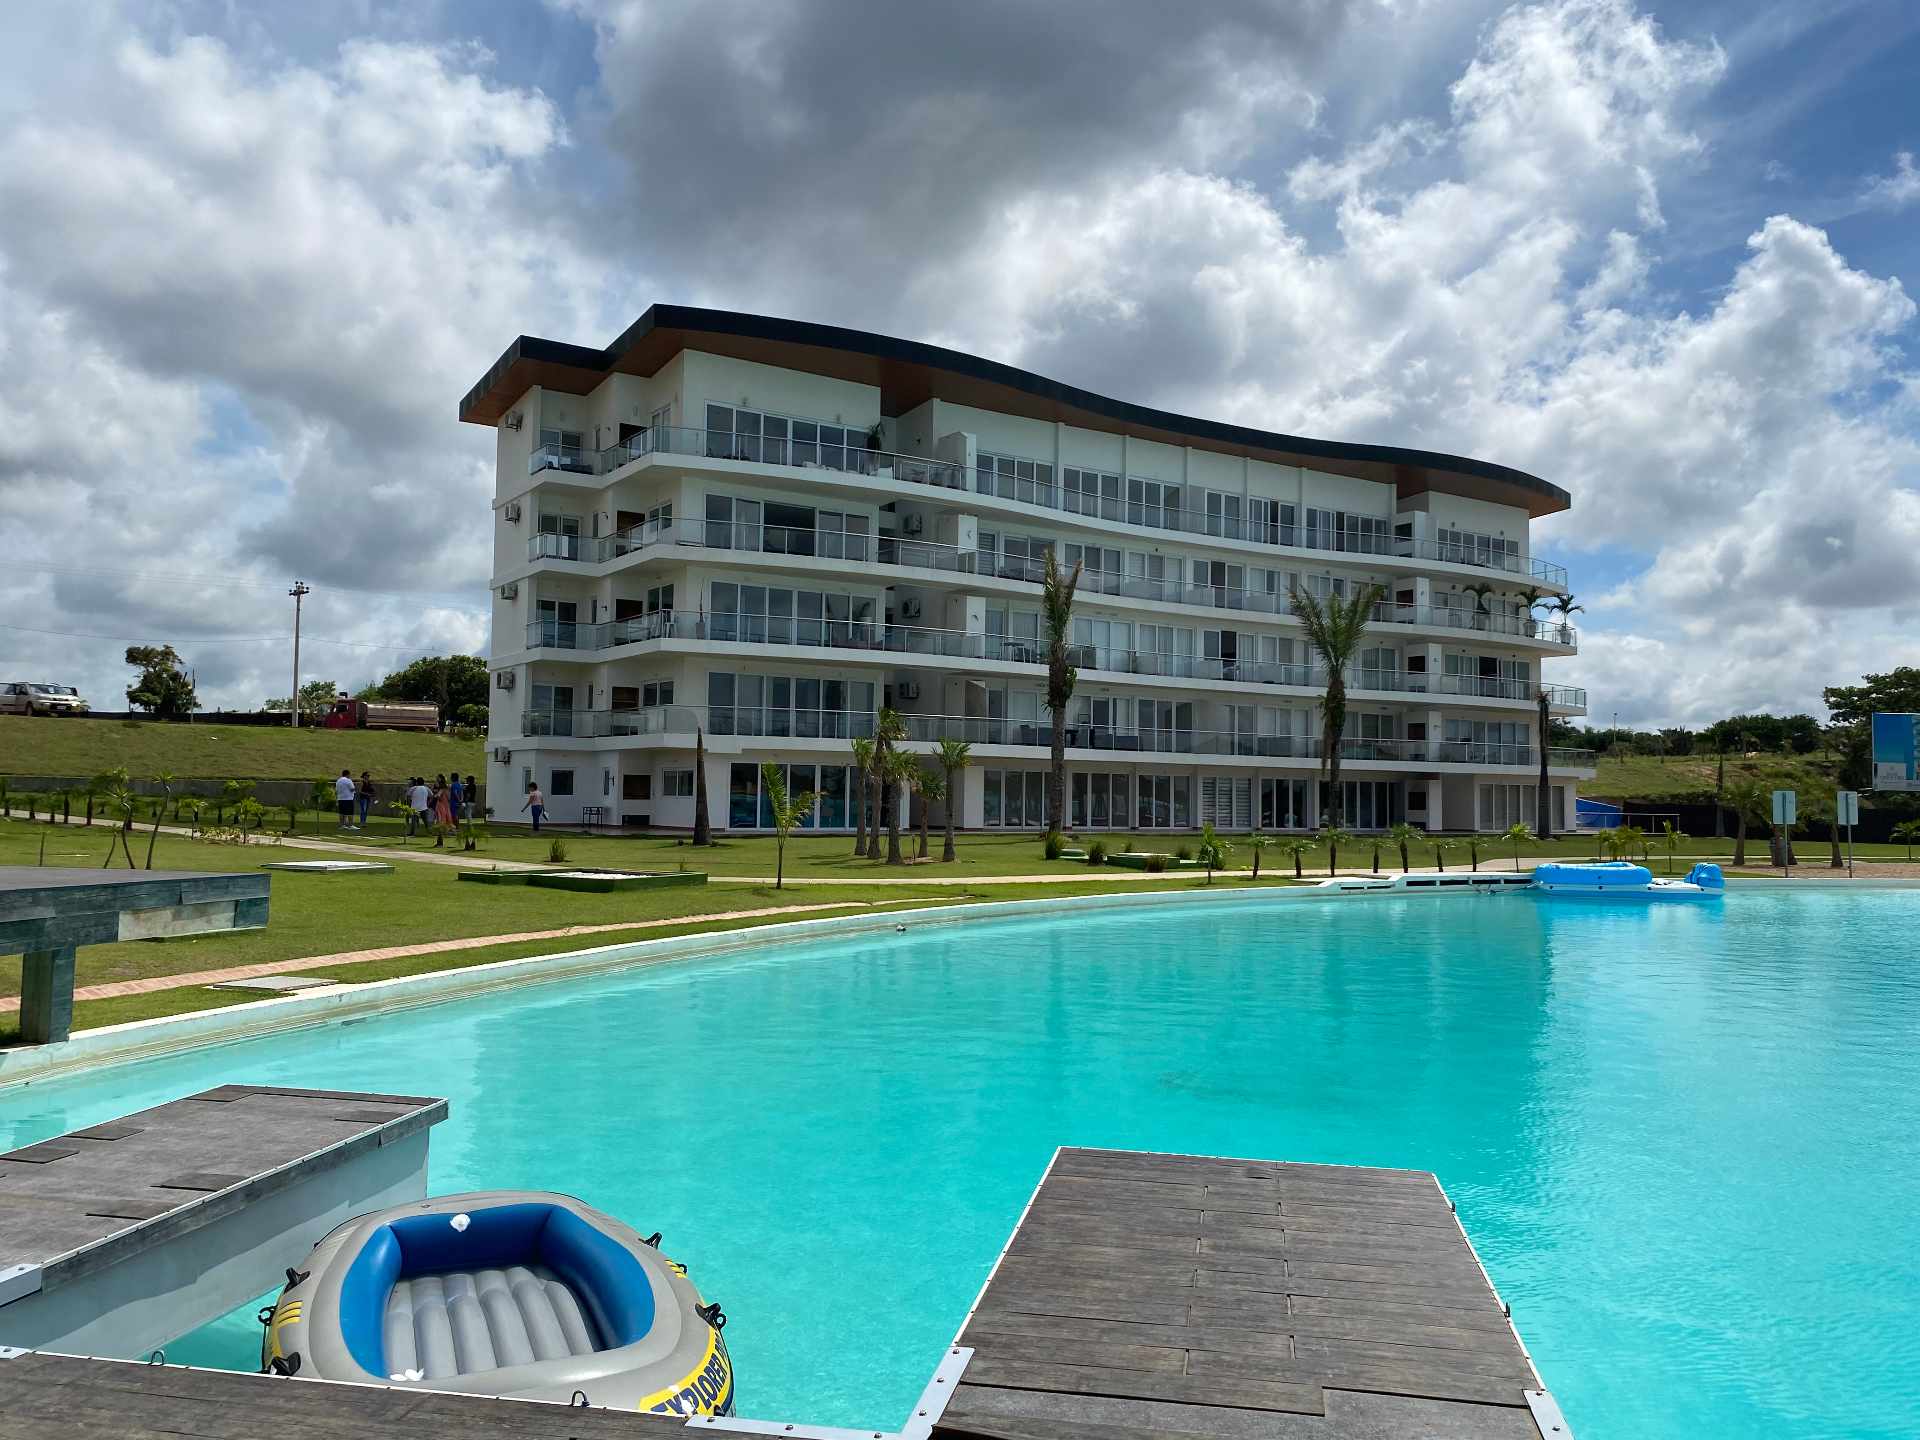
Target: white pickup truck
column 19, row 697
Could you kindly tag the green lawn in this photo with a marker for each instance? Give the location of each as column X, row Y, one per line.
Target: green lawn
column 1691, row 777
column 43, row 745
column 325, row 914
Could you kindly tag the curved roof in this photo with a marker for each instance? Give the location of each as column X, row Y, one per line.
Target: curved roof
column 908, row 372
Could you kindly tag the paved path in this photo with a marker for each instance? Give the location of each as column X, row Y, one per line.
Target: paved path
column 148, row 984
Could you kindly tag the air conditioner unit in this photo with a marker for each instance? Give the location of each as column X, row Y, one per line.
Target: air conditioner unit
column 912, row 524
column 503, row 680
column 510, row 590
column 908, row 690
column 502, row 755
column 909, row 609
column 511, row 512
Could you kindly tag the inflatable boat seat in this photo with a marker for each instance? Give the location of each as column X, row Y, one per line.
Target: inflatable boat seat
column 460, row 1322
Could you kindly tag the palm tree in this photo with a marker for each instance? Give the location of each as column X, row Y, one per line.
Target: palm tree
column 1907, row 832
column 889, row 730
column 1334, row 629
column 899, row 770
column 1256, row 842
column 1479, row 590
column 1670, row 838
column 1331, row 837
column 1632, row 840
column 1056, row 606
column 1404, row 836
column 929, row 785
column 1566, row 608
column 788, row 811
column 954, row 756
column 863, row 767
column 1213, row 851
column 165, row 779
column 702, row 824
column 1298, row 846
column 1543, row 798
column 1533, row 597
column 1441, row 849
column 1518, row 835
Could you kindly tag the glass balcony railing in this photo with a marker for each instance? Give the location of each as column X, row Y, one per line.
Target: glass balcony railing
column 760, row 722
column 1050, row 495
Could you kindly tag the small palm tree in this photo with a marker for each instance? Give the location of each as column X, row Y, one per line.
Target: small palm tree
column 954, row 756
column 899, row 770
column 1213, row 851
column 1517, row 836
column 1404, row 836
column 165, row 780
column 1479, row 590
column 863, row 767
column 1671, row 839
column 788, row 811
column 1056, row 608
column 1533, row 597
column 1632, row 841
column 1565, row 607
column 889, row 730
column 929, row 786
column 1441, row 849
column 1750, row 805
column 1906, row 833
column 1297, row 846
column 1332, row 836
column 1256, row 842
column 1473, row 850
column 1334, row 629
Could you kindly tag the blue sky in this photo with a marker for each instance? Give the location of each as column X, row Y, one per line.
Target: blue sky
column 1659, row 253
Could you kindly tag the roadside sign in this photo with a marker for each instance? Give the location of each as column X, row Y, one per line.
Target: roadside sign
column 1896, row 752
column 1846, row 807
column 1786, row 807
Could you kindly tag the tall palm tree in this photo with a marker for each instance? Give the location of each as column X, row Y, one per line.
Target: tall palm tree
column 929, row 786
column 1543, row 798
column 899, row 769
column 862, row 767
column 954, row 756
column 1056, row 606
column 1334, row 629
column 1748, row 803
column 888, row 731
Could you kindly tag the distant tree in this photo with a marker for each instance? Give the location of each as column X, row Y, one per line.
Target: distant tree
column 702, row 825
column 166, row 782
column 898, row 770
column 954, row 756
column 449, row 681
column 1441, row 849
column 1056, row 608
column 929, row 786
column 1852, row 708
column 1751, row 806
column 788, row 811
column 1518, row 836
column 1256, row 842
column 1403, row 836
column 862, row 768
column 1213, row 852
column 316, row 699
column 1334, row 629
column 163, row 689
column 1333, row 837
column 1907, row 832
column 1671, row 839
column 1297, row 847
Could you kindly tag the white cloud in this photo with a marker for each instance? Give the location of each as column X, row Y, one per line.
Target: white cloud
column 1897, row 190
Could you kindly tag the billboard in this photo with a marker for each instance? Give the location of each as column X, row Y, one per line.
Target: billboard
column 1894, row 750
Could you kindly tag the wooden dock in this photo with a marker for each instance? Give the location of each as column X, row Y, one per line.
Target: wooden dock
column 1161, row 1295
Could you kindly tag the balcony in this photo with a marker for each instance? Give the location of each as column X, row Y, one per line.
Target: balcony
column 945, row 475
column 915, row 554
column 681, row 721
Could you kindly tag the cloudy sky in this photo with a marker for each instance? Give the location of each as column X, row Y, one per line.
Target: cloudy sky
column 250, row 261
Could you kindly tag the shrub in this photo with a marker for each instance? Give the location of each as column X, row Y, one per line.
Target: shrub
column 1096, row 853
column 1053, row 846
column 1156, row 863
column 557, row 852
column 1185, row 852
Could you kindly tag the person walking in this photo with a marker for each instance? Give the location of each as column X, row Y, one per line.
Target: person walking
column 473, row 798
column 454, row 796
column 363, row 797
column 343, row 790
column 536, row 802
column 442, row 811
column 418, row 801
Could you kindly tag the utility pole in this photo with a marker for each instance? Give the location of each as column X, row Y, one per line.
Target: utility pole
column 299, row 592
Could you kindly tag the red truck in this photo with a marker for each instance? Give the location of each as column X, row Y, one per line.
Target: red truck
column 351, row 714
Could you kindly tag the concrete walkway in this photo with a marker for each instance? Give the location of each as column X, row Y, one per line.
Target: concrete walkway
column 148, row 984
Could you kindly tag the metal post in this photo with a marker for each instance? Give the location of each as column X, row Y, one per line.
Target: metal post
column 299, row 591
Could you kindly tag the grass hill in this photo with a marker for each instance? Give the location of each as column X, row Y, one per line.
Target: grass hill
column 1691, row 777
column 48, row 746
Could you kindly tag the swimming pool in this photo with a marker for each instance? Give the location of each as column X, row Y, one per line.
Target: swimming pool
column 1682, row 1137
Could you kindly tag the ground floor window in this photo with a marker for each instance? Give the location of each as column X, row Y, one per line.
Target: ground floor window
column 1015, row 798
column 749, row 807
column 1165, row 802
column 1372, row 804
column 1286, row 805
column 1504, row 806
column 1100, row 800
column 1226, row 801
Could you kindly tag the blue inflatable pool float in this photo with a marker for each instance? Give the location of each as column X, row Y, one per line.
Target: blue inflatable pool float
column 1624, row 878
column 513, row 1293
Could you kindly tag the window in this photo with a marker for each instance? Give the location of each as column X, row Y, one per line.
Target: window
column 1101, row 800
column 775, row 615
column 1153, row 502
column 560, row 782
column 560, row 450
column 1015, row 798
column 806, row 706
column 1284, row 805
column 1344, row 530
column 1226, row 802
column 1504, row 806
column 1092, row 492
column 1464, row 547
column 677, row 784
column 1012, row 478
column 1164, row 802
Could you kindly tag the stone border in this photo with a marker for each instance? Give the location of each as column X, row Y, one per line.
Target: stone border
column 143, row 1039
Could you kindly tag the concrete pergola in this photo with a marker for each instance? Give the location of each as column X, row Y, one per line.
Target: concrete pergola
column 45, row 915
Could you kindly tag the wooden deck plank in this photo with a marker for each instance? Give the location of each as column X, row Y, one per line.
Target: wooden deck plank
column 1171, row 1293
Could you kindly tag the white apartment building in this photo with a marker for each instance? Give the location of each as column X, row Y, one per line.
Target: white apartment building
column 766, row 531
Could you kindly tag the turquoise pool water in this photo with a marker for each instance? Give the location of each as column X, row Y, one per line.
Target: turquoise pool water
column 1683, row 1137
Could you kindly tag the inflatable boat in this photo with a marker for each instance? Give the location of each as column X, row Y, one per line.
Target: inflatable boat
column 510, row 1293
column 1625, row 879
